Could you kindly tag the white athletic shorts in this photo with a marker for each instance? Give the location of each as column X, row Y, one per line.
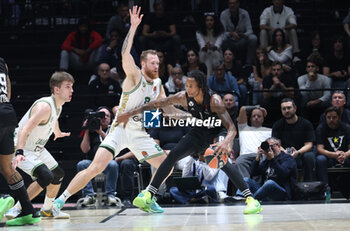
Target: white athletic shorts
column 136, row 140
column 35, row 159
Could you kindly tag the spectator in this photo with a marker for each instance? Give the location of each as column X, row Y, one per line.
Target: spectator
column 282, row 17
column 176, row 81
column 110, row 52
column 337, row 65
column 277, row 86
column 313, row 103
column 233, row 67
column 209, row 36
column 333, row 143
column 296, row 136
column 251, row 136
column 230, row 105
column 120, row 21
column 159, row 32
column 314, row 49
column 164, row 67
column 80, row 48
column 193, row 63
column 346, row 23
column 222, row 82
column 261, row 69
column 339, row 101
column 89, row 145
column 239, row 33
column 206, row 175
column 280, row 50
column 104, row 90
column 278, row 170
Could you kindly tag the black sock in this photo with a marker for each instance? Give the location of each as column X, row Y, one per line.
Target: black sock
column 20, row 193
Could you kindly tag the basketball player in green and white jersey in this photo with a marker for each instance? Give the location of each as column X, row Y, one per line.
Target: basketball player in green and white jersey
column 33, row 132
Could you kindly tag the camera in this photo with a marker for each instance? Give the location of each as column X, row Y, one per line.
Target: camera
column 265, row 146
column 93, row 119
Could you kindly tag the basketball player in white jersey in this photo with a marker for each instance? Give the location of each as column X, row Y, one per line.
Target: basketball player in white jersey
column 33, row 132
column 139, row 87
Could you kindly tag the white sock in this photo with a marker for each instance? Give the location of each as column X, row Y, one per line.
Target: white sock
column 48, row 203
column 65, row 195
column 18, row 205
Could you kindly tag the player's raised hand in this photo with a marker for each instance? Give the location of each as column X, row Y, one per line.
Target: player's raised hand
column 135, row 17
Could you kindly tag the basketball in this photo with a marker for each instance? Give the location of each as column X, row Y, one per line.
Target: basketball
column 214, row 161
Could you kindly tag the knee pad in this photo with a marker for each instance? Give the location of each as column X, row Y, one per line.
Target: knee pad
column 58, row 174
column 43, row 175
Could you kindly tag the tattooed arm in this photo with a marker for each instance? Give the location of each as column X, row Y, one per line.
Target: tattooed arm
column 129, row 66
column 177, row 99
column 218, row 107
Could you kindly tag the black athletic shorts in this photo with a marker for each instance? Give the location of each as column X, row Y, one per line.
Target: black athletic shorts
column 7, row 146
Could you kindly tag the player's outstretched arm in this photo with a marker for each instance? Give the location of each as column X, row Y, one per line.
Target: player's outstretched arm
column 129, row 66
column 177, row 99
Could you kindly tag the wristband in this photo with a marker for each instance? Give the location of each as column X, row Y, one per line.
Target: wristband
column 19, row 152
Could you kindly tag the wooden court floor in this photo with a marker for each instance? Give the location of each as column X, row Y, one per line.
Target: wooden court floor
column 296, row 217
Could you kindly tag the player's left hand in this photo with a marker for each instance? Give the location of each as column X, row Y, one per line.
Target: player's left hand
column 62, row 134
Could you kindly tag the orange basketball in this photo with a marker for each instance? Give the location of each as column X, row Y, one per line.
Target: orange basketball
column 214, row 161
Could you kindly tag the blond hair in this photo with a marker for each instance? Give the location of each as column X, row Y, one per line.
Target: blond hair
column 144, row 54
column 58, row 77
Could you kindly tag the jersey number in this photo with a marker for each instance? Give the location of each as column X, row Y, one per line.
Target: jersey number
column 3, row 84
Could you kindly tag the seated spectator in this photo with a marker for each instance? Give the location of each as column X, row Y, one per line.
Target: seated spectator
column 209, row 36
column 80, row 48
column 250, row 136
column 120, row 21
column 339, row 101
column 282, row 17
column 239, row 32
column 280, row 50
column 337, row 65
column 176, row 81
column 206, row 175
column 103, row 89
column 233, row 67
column 222, row 83
column 159, row 32
column 164, row 69
column 278, row 80
column 296, row 136
column 313, row 103
column 278, row 170
column 230, row 105
column 346, row 23
column 261, row 69
column 127, row 166
column 110, row 52
column 333, row 144
column 193, row 63
column 91, row 141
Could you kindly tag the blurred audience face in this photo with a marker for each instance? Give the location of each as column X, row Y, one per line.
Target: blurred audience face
column 277, row 70
column 228, row 56
column 338, row 99
column 192, row 57
column 104, row 71
column 312, row 69
column 177, row 74
column 83, row 28
column 279, row 37
column 338, row 45
column 316, row 41
column 159, row 9
column 332, row 120
column 209, row 22
column 233, row 5
column 123, row 11
column 151, row 66
column 257, row 118
column 219, row 72
column 114, row 35
column 277, row 3
column 105, row 121
column 160, row 57
column 229, row 101
column 288, row 110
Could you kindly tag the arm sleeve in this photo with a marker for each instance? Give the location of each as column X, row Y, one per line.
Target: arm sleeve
column 208, row 172
column 96, row 40
column 200, row 40
column 283, row 170
column 291, row 19
column 326, row 94
column 284, row 57
column 187, row 170
column 248, row 24
column 219, row 40
column 265, row 16
column 68, row 42
column 347, row 19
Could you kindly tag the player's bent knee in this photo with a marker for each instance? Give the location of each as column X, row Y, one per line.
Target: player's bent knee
column 58, row 175
column 44, row 175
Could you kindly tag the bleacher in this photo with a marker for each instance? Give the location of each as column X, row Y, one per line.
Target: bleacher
column 32, row 52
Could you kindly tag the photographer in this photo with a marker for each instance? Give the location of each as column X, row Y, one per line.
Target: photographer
column 278, row 171
column 96, row 128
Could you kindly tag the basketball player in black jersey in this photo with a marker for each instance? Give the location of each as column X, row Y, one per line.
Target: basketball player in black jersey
column 8, row 123
column 201, row 105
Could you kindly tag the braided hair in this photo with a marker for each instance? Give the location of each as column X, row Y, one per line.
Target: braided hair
column 200, row 78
